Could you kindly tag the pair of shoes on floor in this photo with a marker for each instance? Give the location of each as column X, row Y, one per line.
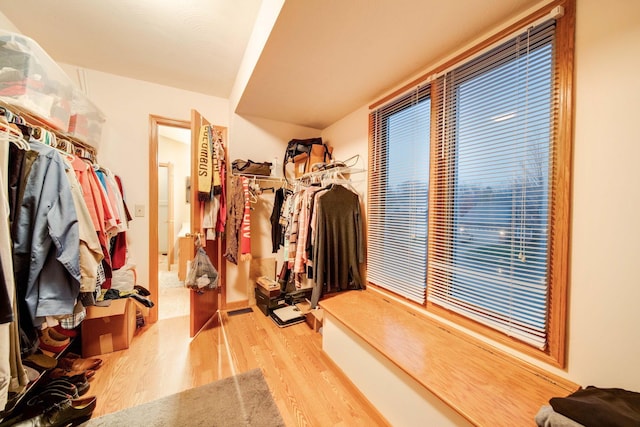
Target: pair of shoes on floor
column 72, row 363
column 80, row 382
column 53, row 392
column 52, row 341
column 62, row 413
column 73, row 376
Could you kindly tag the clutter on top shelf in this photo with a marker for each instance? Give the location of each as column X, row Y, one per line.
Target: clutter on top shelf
column 30, row 79
column 305, row 152
column 86, row 120
column 32, row 82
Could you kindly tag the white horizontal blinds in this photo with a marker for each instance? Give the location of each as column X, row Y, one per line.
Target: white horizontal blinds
column 495, row 155
column 398, row 195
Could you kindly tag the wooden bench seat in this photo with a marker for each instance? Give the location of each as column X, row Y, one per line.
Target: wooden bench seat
column 486, row 386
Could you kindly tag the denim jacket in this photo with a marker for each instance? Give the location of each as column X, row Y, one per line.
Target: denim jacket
column 46, row 239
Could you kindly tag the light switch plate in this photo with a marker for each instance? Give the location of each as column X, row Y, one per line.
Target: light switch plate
column 139, row 210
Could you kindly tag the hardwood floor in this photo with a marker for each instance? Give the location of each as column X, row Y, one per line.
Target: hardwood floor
column 307, row 387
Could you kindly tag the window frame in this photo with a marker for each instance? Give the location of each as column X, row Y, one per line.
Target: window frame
column 560, row 203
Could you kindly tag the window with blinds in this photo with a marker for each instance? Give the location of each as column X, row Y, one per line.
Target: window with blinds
column 495, row 145
column 398, row 195
column 469, row 186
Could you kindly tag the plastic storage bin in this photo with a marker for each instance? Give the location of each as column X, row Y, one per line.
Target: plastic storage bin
column 32, row 81
column 86, row 120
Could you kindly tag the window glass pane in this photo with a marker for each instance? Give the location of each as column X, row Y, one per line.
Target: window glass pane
column 492, row 220
column 397, row 254
column 501, row 192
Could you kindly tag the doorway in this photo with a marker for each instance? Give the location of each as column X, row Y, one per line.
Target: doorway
column 203, row 306
column 173, row 295
column 170, row 142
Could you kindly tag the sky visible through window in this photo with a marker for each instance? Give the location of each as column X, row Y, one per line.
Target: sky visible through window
column 500, row 201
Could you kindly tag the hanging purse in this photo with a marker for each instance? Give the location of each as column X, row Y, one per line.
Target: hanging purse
column 249, row 167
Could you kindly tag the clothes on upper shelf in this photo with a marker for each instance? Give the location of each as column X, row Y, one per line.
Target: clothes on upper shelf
column 323, row 239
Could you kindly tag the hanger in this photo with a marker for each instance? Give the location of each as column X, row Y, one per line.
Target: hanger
column 336, row 177
column 254, row 191
column 13, row 135
column 11, row 131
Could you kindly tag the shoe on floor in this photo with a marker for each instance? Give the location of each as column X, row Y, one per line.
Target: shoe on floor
column 79, row 364
column 67, row 412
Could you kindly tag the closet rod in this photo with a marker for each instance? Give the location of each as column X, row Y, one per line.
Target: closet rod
column 32, row 120
column 340, row 170
column 261, row 177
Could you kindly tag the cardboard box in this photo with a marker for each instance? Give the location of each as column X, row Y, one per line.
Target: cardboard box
column 108, row 329
column 303, row 163
column 268, row 287
column 312, row 316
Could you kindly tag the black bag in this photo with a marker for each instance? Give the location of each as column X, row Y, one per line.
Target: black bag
column 250, row 167
column 296, row 147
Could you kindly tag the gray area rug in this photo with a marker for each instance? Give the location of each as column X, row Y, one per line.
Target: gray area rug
column 241, row 400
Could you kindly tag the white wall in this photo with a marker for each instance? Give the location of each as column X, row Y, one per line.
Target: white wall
column 604, row 319
column 604, row 314
column 7, row 25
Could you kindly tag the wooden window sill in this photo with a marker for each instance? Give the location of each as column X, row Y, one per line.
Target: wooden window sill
column 483, row 384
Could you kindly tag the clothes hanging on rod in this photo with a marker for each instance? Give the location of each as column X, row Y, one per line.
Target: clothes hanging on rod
column 13, row 377
column 338, row 244
column 238, row 238
column 64, row 217
column 277, row 234
column 322, row 228
column 213, row 203
column 235, row 217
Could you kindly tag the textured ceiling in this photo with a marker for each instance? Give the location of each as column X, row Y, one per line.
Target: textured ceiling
column 195, row 45
column 326, row 58
column 322, row 60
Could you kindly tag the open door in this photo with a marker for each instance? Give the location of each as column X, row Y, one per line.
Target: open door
column 204, row 305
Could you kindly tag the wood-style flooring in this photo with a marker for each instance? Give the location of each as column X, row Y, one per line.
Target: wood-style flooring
column 309, row 389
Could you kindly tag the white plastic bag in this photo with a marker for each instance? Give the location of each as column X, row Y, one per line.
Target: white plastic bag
column 202, row 274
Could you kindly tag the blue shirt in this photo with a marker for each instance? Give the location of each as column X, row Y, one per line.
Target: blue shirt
column 46, row 239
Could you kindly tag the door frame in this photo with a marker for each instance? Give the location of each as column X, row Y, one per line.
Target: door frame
column 170, row 226
column 154, row 122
